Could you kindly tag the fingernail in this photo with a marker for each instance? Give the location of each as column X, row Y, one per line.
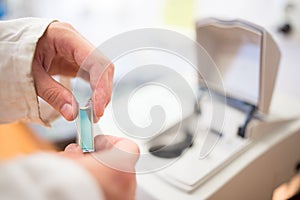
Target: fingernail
column 73, row 148
column 67, row 111
column 99, row 103
column 99, row 108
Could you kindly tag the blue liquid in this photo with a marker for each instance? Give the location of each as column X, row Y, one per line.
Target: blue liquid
column 86, row 129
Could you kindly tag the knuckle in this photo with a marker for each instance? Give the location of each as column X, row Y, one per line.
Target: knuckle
column 53, row 95
column 50, row 95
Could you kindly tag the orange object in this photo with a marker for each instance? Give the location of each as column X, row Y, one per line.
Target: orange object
column 17, row 139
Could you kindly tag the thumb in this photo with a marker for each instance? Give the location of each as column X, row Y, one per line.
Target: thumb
column 54, row 93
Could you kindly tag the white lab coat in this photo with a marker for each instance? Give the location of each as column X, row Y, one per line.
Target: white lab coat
column 40, row 176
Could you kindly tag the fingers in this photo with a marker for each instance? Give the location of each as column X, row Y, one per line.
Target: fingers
column 114, row 152
column 90, row 60
column 73, row 54
column 60, row 66
column 101, row 96
column 68, row 43
column 74, row 148
column 54, row 93
column 107, row 142
column 103, row 90
column 72, row 151
column 101, row 80
column 117, row 153
column 104, row 142
column 128, row 146
column 116, row 182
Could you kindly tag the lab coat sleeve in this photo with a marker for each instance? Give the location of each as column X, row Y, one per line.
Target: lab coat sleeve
column 18, row 98
column 46, row 176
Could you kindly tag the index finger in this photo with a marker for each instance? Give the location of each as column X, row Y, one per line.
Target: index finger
column 74, row 48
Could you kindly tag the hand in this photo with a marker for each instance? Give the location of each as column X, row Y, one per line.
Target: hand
column 63, row 51
column 112, row 154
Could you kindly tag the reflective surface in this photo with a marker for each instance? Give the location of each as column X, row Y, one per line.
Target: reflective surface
column 85, row 128
column 236, row 52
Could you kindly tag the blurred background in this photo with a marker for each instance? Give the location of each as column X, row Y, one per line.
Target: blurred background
column 99, row 20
